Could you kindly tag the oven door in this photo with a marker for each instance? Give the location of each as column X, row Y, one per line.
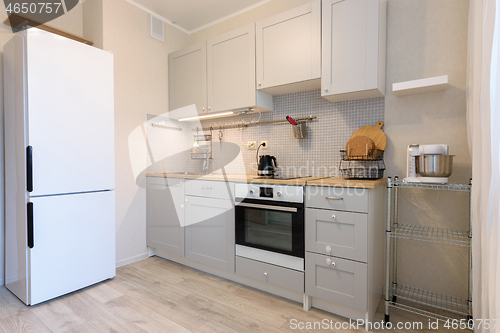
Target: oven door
column 270, row 226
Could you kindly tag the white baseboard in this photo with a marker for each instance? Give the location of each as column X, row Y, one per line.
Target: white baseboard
column 2, row 281
column 130, row 260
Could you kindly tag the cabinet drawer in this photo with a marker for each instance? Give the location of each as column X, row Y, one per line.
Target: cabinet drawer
column 275, row 275
column 209, row 189
column 339, row 198
column 345, row 284
column 345, row 233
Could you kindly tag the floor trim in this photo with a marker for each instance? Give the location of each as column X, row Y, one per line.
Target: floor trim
column 130, row 260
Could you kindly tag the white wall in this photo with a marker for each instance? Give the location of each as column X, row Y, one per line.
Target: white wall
column 141, row 87
column 72, row 22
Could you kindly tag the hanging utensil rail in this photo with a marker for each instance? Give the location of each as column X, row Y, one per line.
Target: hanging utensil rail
column 245, row 125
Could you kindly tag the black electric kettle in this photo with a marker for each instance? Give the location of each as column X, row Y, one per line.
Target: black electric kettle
column 267, row 165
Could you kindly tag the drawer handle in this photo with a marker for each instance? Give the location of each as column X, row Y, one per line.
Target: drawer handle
column 328, row 249
column 333, row 198
column 329, row 262
column 265, row 274
column 333, row 217
column 206, row 188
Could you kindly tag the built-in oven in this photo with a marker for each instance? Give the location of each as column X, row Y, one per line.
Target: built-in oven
column 269, row 224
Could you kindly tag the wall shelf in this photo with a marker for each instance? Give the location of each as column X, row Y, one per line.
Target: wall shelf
column 431, row 84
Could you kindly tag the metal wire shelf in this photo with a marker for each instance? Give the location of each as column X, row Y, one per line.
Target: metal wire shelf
column 429, row 186
column 428, row 303
column 430, row 234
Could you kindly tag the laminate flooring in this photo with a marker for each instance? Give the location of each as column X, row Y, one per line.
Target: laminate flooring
column 157, row 295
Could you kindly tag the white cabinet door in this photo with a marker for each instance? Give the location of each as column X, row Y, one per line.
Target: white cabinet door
column 188, row 77
column 231, row 70
column 353, row 60
column 70, row 115
column 73, row 243
column 288, row 48
column 210, row 232
column 165, row 214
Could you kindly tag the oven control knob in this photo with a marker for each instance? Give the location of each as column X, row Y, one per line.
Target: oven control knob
column 252, row 192
column 328, row 249
column 279, row 194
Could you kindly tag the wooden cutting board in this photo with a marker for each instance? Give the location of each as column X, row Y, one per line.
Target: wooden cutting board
column 360, row 146
column 373, row 132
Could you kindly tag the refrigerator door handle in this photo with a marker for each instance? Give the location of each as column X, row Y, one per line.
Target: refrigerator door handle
column 29, row 168
column 31, row 237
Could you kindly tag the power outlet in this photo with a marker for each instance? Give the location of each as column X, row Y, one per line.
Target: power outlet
column 266, row 146
column 252, row 145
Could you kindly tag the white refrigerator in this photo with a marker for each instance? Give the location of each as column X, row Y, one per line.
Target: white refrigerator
column 59, row 166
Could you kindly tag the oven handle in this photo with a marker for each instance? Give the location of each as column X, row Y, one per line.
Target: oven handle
column 268, row 207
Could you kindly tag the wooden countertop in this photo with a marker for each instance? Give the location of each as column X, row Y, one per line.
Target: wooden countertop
column 313, row 181
column 236, row 178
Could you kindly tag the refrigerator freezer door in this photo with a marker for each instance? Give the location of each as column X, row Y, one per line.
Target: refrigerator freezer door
column 74, row 243
column 70, row 115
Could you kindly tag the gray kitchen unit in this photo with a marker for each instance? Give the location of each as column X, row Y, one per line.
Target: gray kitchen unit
column 192, row 222
column 191, row 219
column 344, row 243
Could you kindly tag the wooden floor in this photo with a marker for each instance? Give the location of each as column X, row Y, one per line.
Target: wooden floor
column 156, row 295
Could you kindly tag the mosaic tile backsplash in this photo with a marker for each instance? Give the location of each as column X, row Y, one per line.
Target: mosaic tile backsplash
column 316, row 155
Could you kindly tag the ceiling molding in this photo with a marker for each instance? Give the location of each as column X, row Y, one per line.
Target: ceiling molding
column 260, row 3
column 158, row 16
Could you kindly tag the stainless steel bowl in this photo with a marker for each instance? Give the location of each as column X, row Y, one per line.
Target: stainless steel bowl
column 434, row 165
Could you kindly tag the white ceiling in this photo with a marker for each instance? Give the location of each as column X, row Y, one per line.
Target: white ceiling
column 193, row 15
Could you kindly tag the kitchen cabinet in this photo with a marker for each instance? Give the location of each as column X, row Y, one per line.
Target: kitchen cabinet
column 271, row 274
column 210, row 232
column 217, row 75
column 354, row 49
column 165, row 214
column 344, row 234
column 288, row 50
column 345, row 249
column 340, row 281
column 187, row 70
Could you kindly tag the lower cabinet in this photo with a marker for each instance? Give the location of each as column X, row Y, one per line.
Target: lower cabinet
column 340, row 281
column 275, row 275
column 165, row 214
column 209, row 232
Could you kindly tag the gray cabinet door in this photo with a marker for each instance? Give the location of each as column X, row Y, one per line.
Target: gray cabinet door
column 353, row 40
column 288, row 47
column 209, row 232
column 345, row 233
column 231, row 69
column 344, row 283
column 187, row 71
column 165, row 214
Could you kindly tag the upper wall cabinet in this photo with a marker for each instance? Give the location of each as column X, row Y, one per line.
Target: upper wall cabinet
column 217, row 75
column 231, row 71
column 354, row 46
column 187, row 70
column 288, row 50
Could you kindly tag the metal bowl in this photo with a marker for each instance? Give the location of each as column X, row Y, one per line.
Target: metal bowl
column 434, row 165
